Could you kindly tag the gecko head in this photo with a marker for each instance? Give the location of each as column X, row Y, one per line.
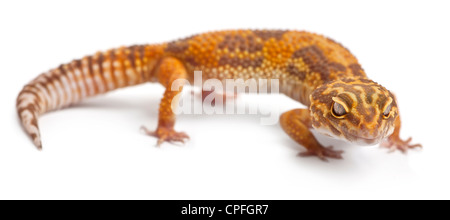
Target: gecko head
column 356, row 110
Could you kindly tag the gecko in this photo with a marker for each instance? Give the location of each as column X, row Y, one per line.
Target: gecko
column 342, row 102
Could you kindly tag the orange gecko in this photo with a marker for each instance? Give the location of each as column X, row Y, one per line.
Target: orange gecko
column 312, row 69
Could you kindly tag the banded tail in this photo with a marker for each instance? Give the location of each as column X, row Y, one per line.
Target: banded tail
column 86, row 77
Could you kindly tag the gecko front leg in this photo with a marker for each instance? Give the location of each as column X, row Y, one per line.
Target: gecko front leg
column 296, row 123
column 394, row 142
column 169, row 70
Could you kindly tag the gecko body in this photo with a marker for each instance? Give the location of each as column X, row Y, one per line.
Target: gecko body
column 312, row 69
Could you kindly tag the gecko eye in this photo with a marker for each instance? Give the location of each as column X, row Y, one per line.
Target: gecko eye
column 387, row 112
column 338, row 110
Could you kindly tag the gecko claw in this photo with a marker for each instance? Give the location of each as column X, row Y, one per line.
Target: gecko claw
column 166, row 134
column 395, row 143
column 322, row 153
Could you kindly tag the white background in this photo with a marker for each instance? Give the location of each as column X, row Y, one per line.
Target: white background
column 95, row 150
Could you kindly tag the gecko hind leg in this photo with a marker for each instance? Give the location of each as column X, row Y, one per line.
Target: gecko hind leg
column 296, row 123
column 169, row 70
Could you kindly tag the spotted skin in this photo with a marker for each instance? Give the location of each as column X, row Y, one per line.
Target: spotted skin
column 311, row 68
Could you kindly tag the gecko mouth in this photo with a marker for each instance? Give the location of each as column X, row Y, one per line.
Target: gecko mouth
column 359, row 139
column 370, row 141
column 365, row 141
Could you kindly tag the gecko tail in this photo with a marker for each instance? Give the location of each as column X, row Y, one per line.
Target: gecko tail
column 83, row 78
column 28, row 106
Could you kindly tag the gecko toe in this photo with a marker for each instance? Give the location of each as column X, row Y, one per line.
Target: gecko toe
column 323, row 153
column 166, row 135
column 395, row 143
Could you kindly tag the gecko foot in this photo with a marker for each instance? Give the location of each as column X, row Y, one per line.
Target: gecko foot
column 323, row 153
column 166, row 134
column 396, row 143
